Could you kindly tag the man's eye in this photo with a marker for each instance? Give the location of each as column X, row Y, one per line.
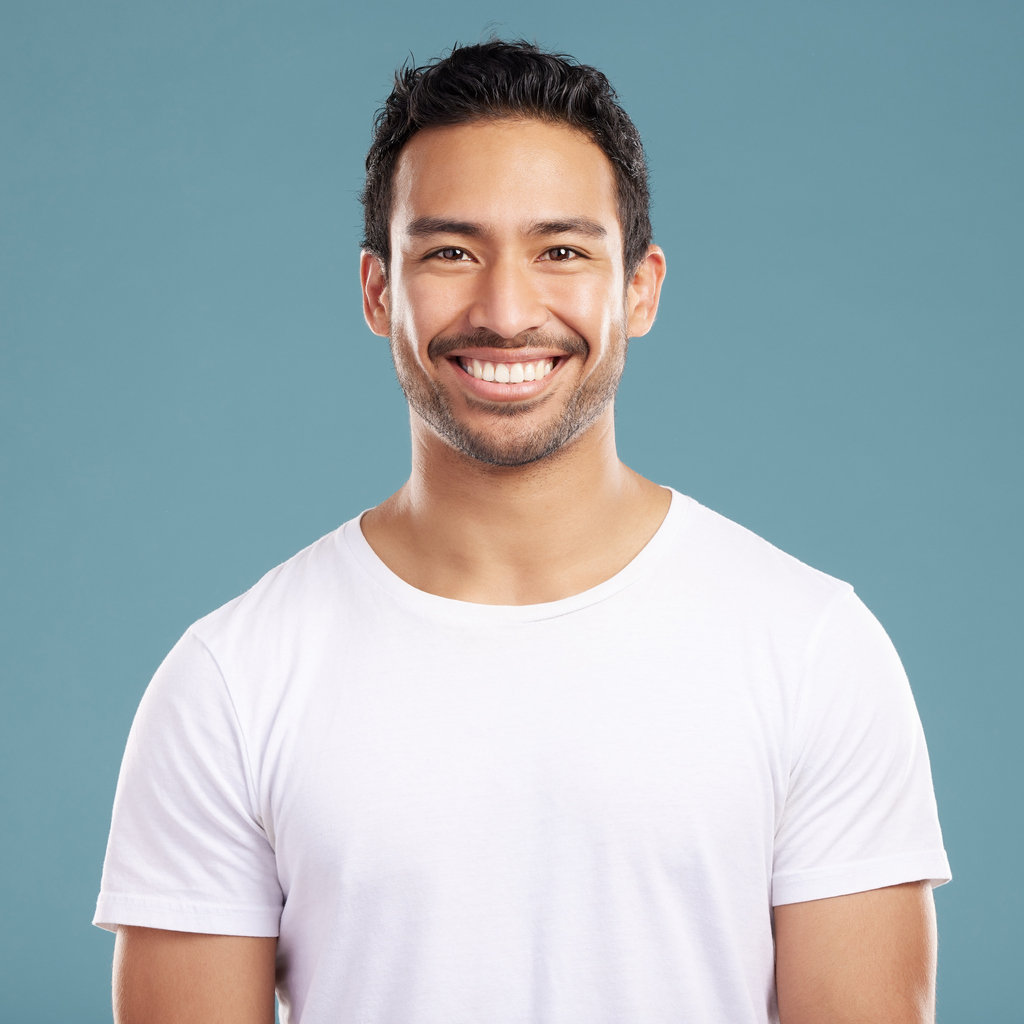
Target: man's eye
column 451, row 253
column 559, row 254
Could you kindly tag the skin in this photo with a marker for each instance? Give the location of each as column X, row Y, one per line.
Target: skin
column 164, row 977
column 868, row 958
column 505, row 236
column 462, row 528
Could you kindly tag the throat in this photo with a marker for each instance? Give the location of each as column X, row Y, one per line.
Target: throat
column 503, row 553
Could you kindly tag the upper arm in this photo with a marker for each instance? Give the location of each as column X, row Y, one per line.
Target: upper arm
column 859, row 959
column 188, row 849
column 167, row 977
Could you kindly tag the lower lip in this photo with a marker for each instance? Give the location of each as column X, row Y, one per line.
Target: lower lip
column 496, row 392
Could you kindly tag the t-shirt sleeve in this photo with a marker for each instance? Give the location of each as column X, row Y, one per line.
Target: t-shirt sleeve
column 860, row 811
column 187, row 850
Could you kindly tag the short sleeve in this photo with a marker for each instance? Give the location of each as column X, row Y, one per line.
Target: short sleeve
column 860, row 811
column 187, row 851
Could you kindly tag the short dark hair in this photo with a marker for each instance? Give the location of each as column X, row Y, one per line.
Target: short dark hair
column 500, row 79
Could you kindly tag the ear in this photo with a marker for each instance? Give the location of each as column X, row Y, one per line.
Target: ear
column 644, row 293
column 375, row 294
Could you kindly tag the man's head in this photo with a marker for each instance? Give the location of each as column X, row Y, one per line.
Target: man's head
column 508, row 254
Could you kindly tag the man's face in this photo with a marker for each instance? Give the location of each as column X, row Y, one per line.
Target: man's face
column 505, row 303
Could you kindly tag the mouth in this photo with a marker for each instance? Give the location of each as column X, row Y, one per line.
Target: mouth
column 507, row 376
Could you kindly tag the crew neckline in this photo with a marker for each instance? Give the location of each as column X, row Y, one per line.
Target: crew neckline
column 470, row 612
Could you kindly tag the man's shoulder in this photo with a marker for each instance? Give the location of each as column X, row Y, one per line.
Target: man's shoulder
column 303, row 588
column 731, row 559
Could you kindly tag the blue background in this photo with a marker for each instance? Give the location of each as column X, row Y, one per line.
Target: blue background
column 188, row 394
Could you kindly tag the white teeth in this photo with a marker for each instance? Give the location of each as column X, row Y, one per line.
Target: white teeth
column 507, row 373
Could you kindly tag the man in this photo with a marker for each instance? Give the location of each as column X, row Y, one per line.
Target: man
column 536, row 739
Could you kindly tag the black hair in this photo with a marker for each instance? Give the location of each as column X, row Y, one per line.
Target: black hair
column 500, row 79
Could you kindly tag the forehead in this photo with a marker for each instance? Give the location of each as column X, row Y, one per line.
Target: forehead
column 504, row 173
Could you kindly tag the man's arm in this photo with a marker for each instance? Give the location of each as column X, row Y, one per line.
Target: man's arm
column 868, row 958
column 165, row 977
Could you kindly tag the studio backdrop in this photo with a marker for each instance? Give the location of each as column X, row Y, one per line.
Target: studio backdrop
column 188, row 394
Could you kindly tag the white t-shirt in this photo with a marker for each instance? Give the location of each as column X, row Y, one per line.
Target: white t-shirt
column 568, row 813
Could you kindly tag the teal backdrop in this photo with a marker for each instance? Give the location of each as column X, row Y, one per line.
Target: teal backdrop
column 188, row 394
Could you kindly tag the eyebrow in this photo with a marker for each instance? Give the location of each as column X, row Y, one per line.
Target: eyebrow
column 574, row 225
column 440, row 226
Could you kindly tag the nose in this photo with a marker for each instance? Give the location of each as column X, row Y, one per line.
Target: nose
column 506, row 300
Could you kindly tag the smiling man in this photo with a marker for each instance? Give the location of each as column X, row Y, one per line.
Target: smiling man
column 536, row 739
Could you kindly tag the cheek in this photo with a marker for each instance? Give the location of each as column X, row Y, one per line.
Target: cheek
column 587, row 307
column 428, row 306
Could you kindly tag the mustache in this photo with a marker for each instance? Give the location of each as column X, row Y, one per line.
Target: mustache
column 444, row 345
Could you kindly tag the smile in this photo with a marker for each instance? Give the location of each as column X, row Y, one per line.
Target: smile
column 507, row 373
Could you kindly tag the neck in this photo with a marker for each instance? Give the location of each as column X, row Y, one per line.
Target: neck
column 515, row 535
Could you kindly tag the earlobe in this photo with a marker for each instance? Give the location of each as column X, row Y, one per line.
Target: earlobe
column 375, row 294
column 644, row 293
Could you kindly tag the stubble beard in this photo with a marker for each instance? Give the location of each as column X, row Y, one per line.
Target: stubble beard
column 511, row 442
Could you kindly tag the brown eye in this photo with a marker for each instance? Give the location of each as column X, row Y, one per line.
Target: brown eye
column 560, row 254
column 452, row 254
